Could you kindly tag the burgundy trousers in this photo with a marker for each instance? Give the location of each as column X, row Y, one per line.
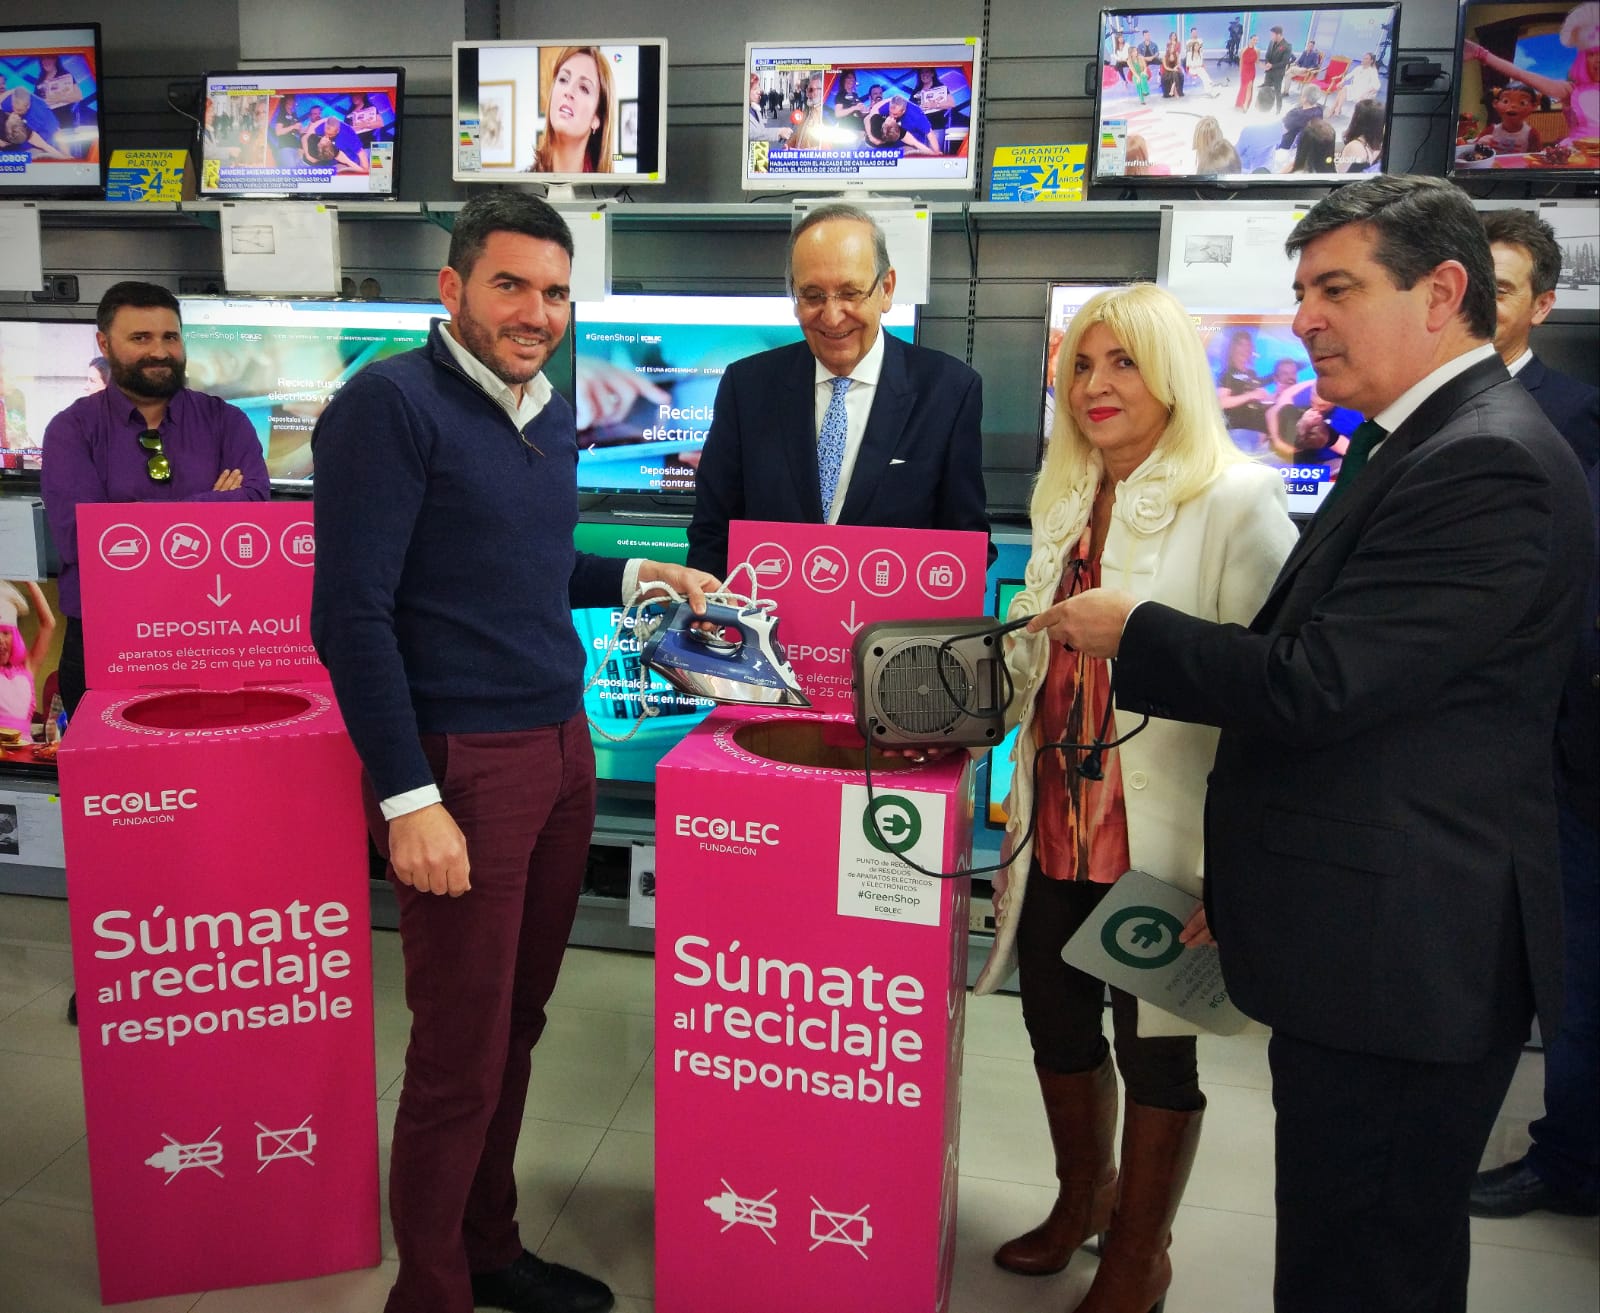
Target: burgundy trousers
column 479, row 970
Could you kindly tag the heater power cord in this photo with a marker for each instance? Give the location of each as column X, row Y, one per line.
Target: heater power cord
column 1090, row 768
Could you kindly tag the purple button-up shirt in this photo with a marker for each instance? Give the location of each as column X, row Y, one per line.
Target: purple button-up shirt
column 92, row 454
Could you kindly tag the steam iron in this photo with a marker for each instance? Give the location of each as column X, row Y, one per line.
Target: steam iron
column 738, row 660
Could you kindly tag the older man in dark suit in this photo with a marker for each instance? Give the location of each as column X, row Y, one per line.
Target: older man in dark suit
column 1381, row 820
column 851, row 426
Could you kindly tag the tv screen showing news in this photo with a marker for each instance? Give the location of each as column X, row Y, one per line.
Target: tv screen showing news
column 282, row 361
column 886, row 115
column 1528, row 89
column 614, row 701
column 645, row 378
column 560, row 111
column 1271, row 96
column 302, row 132
column 1270, row 407
column 45, row 365
column 1066, row 299
column 50, row 112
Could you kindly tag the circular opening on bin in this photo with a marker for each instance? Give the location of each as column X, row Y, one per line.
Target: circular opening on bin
column 829, row 745
column 223, row 709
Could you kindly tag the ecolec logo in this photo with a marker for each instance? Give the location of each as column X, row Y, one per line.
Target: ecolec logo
column 724, row 830
column 141, row 804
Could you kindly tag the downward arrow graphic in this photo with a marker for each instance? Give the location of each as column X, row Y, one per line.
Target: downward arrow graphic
column 218, row 597
column 852, row 624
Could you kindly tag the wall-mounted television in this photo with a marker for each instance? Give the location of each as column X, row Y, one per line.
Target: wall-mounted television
column 1527, row 91
column 50, row 112
column 613, row 701
column 1258, row 94
column 880, row 115
column 645, row 377
column 302, row 132
column 1268, row 394
column 45, row 365
column 560, row 111
column 282, row 361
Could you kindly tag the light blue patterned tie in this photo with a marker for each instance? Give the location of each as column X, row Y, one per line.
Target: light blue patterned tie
column 830, row 444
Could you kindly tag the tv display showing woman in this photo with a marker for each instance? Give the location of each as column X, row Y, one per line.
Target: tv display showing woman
column 578, row 114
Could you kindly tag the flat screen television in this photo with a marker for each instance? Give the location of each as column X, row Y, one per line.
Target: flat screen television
column 1004, row 582
column 645, row 377
column 282, row 361
column 50, row 112
column 560, row 111
column 613, row 701
column 1527, row 91
column 884, row 115
column 1066, row 299
column 1265, row 95
column 326, row 133
column 1267, row 390
column 45, row 365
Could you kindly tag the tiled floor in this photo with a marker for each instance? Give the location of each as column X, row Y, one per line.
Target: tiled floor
column 585, row 1159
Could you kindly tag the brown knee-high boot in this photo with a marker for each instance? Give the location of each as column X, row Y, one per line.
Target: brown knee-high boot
column 1081, row 1110
column 1158, row 1147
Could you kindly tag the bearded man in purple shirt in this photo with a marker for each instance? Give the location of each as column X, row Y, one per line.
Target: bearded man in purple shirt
column 145, row 437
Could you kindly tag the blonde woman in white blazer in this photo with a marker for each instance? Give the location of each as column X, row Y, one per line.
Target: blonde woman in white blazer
column 1141, row 489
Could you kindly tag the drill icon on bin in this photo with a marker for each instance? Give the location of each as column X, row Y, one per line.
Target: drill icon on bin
column 177, row 1157
column 734, row 1209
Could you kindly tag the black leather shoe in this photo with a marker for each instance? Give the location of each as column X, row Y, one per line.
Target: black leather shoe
column 72, row 1015
column 1515, row 1189
column 530, row 1285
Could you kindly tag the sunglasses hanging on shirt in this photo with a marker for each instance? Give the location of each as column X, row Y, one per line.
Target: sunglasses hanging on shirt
column 158, row 467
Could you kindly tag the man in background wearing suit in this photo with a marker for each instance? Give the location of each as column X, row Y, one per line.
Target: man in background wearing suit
column 1383, row 881
column 1561, row 1171
column 851, row 426
column 1527, row 263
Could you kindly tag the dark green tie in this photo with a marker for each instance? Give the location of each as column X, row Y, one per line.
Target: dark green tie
column 1367, row 436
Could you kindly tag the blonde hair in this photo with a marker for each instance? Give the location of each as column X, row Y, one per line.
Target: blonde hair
column 597, row 150
column 1151, row 325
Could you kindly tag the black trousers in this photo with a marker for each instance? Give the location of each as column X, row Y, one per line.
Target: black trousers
column 1375, row 1160
column 71, row 679
column 1061, row 1005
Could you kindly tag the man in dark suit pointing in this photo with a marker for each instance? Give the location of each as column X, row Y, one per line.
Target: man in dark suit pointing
column 852, row 426
column 1381, row 823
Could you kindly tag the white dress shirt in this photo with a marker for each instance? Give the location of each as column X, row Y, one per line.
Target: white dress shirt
column 857, row 406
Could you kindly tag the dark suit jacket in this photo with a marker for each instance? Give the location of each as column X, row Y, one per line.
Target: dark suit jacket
column 1573, row 407
column 1380, row 821
column 920, row 465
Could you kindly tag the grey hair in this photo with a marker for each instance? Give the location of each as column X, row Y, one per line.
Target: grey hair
column 838, row 210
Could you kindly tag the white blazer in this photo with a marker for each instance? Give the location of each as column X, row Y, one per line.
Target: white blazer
column 1215, row 557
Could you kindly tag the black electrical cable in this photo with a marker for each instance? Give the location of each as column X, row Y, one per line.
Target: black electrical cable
column 1095, row 750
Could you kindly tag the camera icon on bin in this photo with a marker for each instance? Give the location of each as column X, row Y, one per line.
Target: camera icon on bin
column 299, row 543
column 941, row 576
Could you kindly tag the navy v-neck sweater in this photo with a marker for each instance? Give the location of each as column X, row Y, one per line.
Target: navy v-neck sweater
column 446, row 572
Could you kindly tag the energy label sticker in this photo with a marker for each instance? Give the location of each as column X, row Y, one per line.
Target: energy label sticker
column 873, row 880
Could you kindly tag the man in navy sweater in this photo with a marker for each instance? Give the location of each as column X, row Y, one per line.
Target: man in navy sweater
column 446, row 574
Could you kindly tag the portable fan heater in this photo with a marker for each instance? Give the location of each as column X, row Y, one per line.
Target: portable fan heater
column 902, row 700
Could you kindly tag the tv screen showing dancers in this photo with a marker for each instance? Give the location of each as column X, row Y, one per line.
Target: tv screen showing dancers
column 1245, row 95
column 1528, row 80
